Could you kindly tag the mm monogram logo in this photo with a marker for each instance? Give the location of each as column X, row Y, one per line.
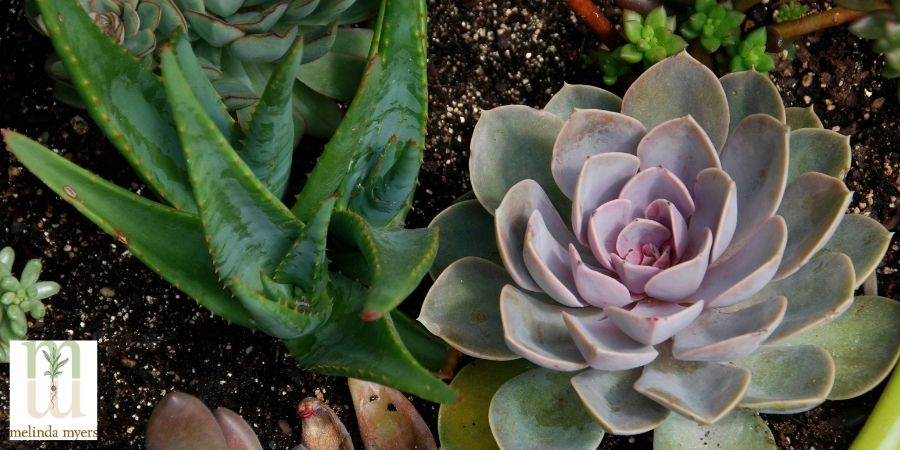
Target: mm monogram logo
column 53, row 390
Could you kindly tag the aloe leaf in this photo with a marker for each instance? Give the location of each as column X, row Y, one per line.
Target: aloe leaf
column 337, row 73
column 285, row 317
column 305, row 264
column 169, row 242
column 348, row 346
column 431, row 352
column 397, row 259
column 133, row 114
column 390, row 106
column 248, row 230
column 270, row 141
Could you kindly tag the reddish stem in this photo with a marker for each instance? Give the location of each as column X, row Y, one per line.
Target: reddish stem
column 816, row 22
column 591, row 15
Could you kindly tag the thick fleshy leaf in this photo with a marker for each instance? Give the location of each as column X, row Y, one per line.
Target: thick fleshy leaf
column 260, row 48
column 602, row 178
column 604, row 226
column 182, row 421
column 681, row 146
column 248, row 230
column 817, row 293
column 787, row 379
column 338, row 72
column 320, row 427
column 595, row 286
column 536, row 330
column 429, row 350
column 137, row 120
column 169, row 242
column 681, row 280
column 269, row 145
column 798, row 118
column 510, row 144
column 864, row 342
column 689, row 89
column 655, row 183
column 864, row 240
column 212, row 29
column 745, row 271
column 603, row 345
column 538, row 410
column 651, row 322
column 464, row 425
column 238, row 433
column 465, row 229
column 726, row 336
column 511, row 221
column 463, row 308
column 715, row 199
column 815, row 150
column 581, row 96
column 397, row 259
column 751, row 93
column 348, row 346
column 306, row 265
column 664, row 212
column 702, row 391
column 812, row 208
column 387, row 419
column 589, row 132
column 633, row 276
column 756, row 158
column 637, row 233
column 610, row 397
column 549, row 263
column 740, row 429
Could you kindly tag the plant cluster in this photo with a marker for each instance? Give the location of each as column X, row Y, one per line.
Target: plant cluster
column 20, row 297
column 708, row 273
column 790, row 11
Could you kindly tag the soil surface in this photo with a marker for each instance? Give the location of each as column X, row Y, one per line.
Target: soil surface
column 153, row 339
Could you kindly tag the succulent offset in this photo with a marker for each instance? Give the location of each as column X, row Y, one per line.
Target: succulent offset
column 324, row 275
column 681, row 249
column 714, row 24
column 20, row 297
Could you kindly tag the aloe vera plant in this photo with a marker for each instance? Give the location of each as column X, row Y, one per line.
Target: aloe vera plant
column 220, row 231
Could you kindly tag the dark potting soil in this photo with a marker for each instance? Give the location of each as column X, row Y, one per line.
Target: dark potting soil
column 153, row 339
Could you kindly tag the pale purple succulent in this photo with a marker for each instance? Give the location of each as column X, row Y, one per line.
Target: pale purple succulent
column 683, row 244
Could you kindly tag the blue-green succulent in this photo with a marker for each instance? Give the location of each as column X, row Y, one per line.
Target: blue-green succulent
column 20, row 297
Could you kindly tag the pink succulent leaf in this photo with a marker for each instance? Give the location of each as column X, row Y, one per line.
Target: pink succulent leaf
column 511, row 220
column 664, row 212
column 674, row 384
column 655, row 183
column 638, row 234
column 651, row 322
column 681, row 280
column 596, row 286
column 603, row 345
column 548, row 263
column 610, row 397
column 602, row 178
column 573, row 97
column 239, row 435
column 715, row 198
column 681, row 146
column 589, row 132
column 813, row 207
column 787, row 379
column 756, row 158
column 604, row 226
column 633, row 276
column 726, row 336
column 536, row 330
column 751, row 93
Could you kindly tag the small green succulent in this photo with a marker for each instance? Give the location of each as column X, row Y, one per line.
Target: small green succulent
column 790, row 11
column 750, row 53
column 714, row 24
column 651, row 38
column 678, row 259
column 610, row 62
column 18, row 297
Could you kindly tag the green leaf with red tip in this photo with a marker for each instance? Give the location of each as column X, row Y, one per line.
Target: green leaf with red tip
column 396, row 259
column 305, row 264
column 126, row 100
column 168, row 241
column 348, row 346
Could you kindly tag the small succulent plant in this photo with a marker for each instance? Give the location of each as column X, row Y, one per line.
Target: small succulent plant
column 714, row 24
column 709, row 268
column 790, row 11
column 883, row 27
column 20, row 297
column 750, row 53
column 324, row 275
column 650, row 38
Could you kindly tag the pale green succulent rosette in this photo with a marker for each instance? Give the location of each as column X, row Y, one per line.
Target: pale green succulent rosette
column 676, row 260
column 19, row 298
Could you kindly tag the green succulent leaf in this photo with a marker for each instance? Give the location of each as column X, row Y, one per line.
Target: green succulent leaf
column 464, row 425
column 373, row 350
column 538, row 410
column 337, row 74
column 305, row 264
column 581, row 96
column 870, row 324
column 787, row 379
column 798, row 118
column 135, row 115
column 320, row 115
column 739, row 429
column 816, row 150
column 466, row 229
column 429, row 350
column 169, row 242
column 864, row 240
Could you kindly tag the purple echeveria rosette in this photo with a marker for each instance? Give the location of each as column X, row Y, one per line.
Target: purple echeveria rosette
column 683, row 248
